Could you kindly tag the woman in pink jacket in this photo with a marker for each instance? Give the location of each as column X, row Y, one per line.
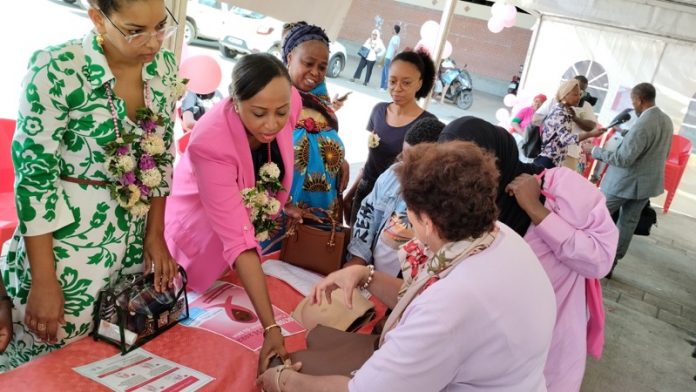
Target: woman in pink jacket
column 565, row 221
column 232, row 181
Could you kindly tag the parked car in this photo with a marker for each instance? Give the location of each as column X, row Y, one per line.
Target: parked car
column 82, row 3
column 252, row 32
column 242, row 31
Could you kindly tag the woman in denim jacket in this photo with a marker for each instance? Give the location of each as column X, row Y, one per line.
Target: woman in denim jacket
column 381, row 225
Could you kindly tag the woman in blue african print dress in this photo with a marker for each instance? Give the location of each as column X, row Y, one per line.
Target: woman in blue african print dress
column 320, row 168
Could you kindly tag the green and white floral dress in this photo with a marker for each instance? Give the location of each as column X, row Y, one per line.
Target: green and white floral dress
column 64, row 124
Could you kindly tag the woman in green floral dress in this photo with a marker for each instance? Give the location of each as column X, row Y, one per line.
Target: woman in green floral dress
column 92, row 154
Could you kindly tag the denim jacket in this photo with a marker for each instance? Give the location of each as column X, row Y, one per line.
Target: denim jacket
column 375, row 211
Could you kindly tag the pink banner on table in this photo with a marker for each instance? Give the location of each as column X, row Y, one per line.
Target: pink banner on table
column 226, row 309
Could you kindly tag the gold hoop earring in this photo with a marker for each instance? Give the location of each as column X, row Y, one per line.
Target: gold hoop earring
column 100, row 39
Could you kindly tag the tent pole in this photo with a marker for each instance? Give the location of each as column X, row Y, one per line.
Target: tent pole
column 445, row 22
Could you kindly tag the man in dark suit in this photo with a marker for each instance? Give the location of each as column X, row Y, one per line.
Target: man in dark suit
column 637, row 166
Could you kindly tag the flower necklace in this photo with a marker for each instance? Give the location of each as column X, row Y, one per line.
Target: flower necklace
column 136, row 162
column 261, row 199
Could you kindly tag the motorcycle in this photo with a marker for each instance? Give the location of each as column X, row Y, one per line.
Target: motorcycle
column 514, row 83
column 458, row 82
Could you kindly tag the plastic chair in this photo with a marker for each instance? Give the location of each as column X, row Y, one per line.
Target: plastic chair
column 678, row 157
column 8, row 214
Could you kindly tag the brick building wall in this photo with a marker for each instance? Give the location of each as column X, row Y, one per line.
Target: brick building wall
column 488, row 55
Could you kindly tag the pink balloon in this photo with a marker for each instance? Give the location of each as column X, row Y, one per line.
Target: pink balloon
column 424, row 45
column 510, row 100
column 203, row 72
column 510, row 16
column 447, row 51
column 429, row 30
column 496, row 25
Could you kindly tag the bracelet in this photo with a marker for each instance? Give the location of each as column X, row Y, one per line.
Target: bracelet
column 371, row 267
column 265, row 330
column 278, row 373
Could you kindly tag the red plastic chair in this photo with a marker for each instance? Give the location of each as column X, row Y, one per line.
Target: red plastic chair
column 679, row 154
column 8, row 214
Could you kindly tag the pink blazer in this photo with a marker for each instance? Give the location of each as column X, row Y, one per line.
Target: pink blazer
column 575, row 244
column 206, row 224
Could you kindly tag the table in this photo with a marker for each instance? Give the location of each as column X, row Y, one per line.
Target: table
column 232, row 366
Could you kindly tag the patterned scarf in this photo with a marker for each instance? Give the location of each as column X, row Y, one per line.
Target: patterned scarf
column 421, row 268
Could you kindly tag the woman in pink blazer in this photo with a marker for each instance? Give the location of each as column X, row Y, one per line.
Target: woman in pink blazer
column 208, row 227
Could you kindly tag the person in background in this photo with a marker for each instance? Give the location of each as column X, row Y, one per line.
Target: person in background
column 411, row 77
column 636, row 169
column 375, row 48
column 320, row 170
column 385, row 226
column 524, row 117
column 92, row 155
column 583, row 120
column 194, row 106
column 565, row 222
column 475, row 310
column 231, row 182
column 557, row 129
column 392, row 50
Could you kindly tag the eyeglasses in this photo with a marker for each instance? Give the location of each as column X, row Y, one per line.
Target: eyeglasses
column 140, row 39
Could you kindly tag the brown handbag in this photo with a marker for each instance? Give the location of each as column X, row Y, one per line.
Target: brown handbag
column 318, row 247
column 334, row 352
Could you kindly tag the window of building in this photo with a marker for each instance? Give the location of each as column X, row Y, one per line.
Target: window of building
column 598, row 80
column 688, row 128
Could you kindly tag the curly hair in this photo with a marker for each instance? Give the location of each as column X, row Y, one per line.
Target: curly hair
column 424, row 130
column 455, row 184
column 425, row 65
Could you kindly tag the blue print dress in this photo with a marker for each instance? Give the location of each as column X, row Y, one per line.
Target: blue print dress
column 319, row 153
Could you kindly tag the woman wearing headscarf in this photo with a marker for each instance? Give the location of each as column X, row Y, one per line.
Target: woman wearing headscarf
column 320, row 169
column 557, row 130
column 570, row 231
column 375, row 48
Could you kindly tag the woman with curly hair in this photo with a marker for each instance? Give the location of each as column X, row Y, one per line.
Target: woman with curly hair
column 411, row 77
column 474, row 311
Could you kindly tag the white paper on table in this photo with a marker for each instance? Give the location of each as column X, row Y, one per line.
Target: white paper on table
column 141, row 370
column 298, row 278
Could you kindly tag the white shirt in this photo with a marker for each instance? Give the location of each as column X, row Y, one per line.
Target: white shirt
column 485, row 327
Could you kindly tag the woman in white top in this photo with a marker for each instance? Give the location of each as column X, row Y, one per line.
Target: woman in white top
column 375, row 48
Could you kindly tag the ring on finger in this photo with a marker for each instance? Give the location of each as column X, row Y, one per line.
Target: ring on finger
column 41, row 327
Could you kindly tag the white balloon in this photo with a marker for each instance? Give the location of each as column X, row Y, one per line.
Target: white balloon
column 495, row 25
column 429, row 30
column 502, row 115
column 498, row 8
column 510, row 100
column 447, row 51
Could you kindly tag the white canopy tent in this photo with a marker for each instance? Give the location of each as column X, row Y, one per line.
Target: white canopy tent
column 618, row 44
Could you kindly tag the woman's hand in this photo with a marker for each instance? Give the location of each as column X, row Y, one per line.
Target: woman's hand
column 5, row 324
column 273, row 344
column 347, row 278
column 44, row 312
column 336, row 103
column 526, row 189
column 271, row 381
column 157, row 259
column 345, row 176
